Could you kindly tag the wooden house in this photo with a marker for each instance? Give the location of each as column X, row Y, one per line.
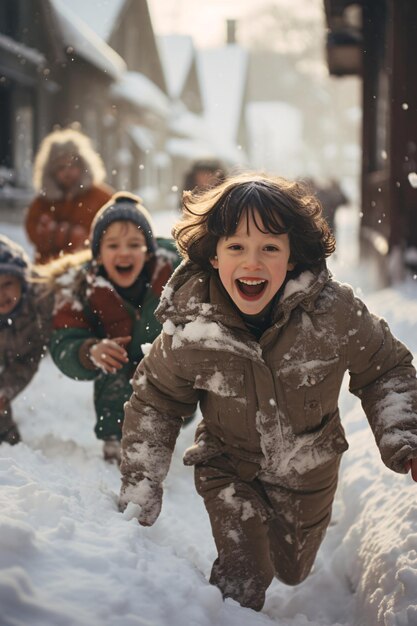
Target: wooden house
column 29, row 56
column 140, row 104
column 377, row 40
column 178, row 57
column 91, row 66
column 54, row 71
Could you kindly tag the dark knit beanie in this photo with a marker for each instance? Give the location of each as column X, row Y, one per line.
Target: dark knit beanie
column 122, row 207
column 13, row 259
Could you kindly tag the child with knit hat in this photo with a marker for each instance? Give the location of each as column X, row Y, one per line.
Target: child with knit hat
column 104, row 310
column 25, row 326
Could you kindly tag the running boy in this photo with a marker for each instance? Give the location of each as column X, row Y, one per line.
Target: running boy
column 25, row 327
column 105, row 308
column 257, row 332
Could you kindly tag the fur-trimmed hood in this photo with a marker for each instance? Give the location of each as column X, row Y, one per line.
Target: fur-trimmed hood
column 62, row 143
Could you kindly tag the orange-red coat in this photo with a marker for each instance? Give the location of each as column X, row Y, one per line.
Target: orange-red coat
column 67, row 214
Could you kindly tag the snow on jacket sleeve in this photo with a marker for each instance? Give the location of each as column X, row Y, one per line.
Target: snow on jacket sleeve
column 383, row 377
column 161, row 397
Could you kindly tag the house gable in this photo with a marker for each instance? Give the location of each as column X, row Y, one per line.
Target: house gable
column 179, row 62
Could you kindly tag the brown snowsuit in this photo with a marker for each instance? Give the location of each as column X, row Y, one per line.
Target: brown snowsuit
column 268, row 448
column 23, row 342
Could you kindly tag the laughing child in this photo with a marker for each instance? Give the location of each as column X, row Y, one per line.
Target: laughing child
column 25, row 327
column 104, row 312
column 257, row 332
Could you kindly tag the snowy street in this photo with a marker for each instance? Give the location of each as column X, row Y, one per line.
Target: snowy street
column 69, row 558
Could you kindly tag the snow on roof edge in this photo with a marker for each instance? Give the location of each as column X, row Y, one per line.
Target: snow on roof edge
column 86, row 43
column 140, row 91
column 109, row 11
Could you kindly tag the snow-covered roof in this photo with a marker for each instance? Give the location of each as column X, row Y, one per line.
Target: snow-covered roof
column 177, row 53
column 86, row 43
column 20, row 50
column 140, row 91
column 191, row 149
column 195, row 141
column 187, row 124
column 194, row 148
column 228, row 152
column 222, row 74
column 99, row 15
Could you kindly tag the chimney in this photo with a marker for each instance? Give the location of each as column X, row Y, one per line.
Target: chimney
column 231, row 31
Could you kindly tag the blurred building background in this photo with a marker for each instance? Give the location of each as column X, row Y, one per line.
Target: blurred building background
column 154, row 103
column 376, row 40
column 284, row 90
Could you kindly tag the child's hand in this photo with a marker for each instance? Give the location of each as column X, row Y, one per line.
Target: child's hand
column 109, row 354
column 412, row 464
column 147, row 495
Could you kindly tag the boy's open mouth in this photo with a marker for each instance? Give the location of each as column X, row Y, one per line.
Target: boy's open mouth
column 124, row 269
column 251, row 288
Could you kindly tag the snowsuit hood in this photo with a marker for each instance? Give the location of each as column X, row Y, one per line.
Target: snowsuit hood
column 66, row 143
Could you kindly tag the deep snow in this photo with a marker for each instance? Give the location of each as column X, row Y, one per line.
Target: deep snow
column 69, row 558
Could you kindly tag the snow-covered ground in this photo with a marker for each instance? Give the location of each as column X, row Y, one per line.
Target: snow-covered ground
column 69, row 558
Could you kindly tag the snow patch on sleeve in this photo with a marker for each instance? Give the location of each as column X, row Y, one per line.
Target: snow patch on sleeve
column 227, row 494
column 392, row 408
column 146, row 348
column 167, row 294
column 168, row 327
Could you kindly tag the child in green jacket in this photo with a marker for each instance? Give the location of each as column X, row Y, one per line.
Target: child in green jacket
column 104, row 308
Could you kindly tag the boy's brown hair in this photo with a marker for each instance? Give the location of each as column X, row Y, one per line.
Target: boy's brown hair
column 284, row 207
